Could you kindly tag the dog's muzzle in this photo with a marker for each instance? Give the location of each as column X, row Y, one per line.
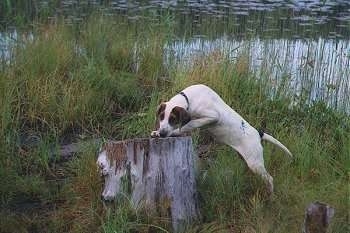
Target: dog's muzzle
column 163, row 133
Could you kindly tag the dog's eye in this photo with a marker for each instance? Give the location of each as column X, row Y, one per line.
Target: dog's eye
column 173, row 120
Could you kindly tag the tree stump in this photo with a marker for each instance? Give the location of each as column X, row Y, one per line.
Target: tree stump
column 157, row 173
column 317, row 217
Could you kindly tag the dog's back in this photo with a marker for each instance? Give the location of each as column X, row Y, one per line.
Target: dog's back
column 230, row 127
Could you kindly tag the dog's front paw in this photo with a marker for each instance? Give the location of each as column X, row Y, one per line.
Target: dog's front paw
column 155, row 134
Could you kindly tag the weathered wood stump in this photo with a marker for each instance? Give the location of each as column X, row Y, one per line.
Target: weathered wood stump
column 317, row 217
column 157, row 173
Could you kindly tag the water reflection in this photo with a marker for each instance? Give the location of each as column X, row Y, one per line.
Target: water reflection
column 320, row 67
column 7, row 40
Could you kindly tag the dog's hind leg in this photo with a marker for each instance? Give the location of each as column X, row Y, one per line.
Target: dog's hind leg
column 253, row 156
column 261, row 170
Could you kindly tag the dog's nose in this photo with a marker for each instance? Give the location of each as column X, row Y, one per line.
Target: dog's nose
column 162, row 133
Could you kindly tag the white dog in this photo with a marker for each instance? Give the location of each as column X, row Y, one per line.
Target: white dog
column 199, row 106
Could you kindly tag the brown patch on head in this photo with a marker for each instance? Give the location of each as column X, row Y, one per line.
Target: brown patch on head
column 180, row 116
column 160, row 114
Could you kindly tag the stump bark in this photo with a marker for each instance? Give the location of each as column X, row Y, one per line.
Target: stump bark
column 157, row 173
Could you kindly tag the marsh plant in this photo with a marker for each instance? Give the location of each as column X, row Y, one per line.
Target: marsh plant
column 105, row 79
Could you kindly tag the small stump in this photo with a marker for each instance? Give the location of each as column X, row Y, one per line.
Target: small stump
column 317, row 217
column 157, row 173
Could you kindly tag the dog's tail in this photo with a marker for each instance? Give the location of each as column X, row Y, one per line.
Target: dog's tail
column 274, row 141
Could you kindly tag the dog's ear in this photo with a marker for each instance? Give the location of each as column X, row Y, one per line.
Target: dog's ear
column 182, row 115
column 160, row 109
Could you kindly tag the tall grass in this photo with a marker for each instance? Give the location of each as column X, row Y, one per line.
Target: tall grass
column 105, row 80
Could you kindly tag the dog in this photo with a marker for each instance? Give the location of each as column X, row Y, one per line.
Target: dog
column 198, row 106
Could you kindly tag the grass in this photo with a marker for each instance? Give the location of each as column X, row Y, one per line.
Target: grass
column 105, row 79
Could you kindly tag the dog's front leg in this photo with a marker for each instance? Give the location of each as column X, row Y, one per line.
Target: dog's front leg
column 193, row 124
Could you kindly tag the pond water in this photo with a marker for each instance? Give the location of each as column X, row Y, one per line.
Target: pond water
column 307, row 41
column 319, row 66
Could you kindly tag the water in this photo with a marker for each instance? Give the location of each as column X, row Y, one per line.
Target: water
column 307, row 41
column 7, row 39
column 319, row 66
column 330, row 17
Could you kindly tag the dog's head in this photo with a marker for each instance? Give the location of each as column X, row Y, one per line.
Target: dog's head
column 169, row 117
